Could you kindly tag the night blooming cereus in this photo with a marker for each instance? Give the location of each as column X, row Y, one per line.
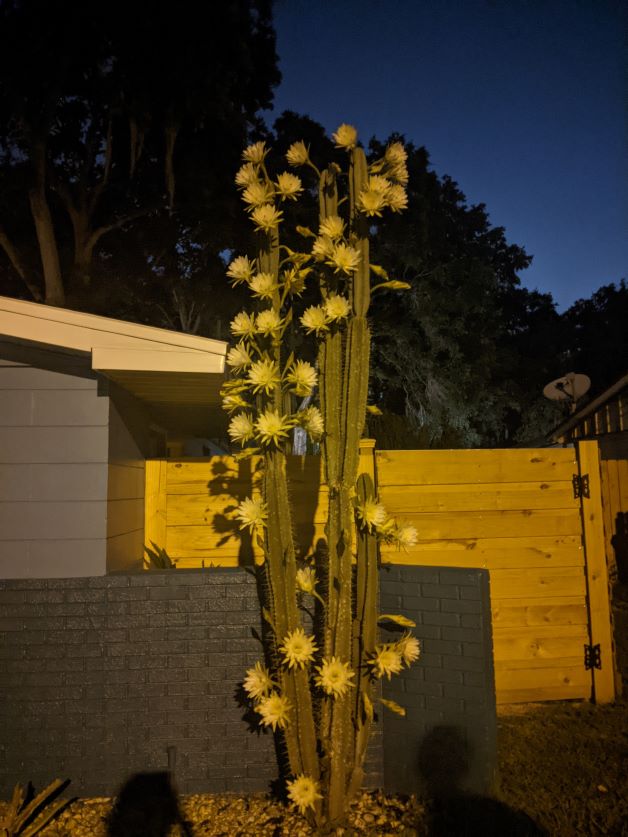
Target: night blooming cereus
column 316, row 687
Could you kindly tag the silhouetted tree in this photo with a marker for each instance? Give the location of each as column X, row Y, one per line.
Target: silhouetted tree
column 112, row 118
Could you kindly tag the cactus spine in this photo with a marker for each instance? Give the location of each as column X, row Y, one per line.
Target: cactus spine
column 317, row 690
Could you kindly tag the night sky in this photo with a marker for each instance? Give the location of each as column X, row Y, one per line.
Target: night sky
column 522, row 103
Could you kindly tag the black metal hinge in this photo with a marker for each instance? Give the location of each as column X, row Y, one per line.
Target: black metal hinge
column 592, row 656
column 580, row 486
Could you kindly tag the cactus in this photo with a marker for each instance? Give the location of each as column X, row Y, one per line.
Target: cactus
column 316, row 692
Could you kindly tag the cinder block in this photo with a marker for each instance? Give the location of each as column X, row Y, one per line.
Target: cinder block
column 440, row 591
column 461, row 606
column 438, row 618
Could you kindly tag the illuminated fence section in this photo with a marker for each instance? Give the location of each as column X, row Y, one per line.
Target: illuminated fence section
column 514, row 513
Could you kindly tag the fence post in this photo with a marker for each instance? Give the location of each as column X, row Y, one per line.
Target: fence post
column 367, row 459
column 598, row 593
column 155, row 503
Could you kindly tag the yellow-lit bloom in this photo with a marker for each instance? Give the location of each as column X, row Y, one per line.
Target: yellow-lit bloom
column 297, row 154
column 266, row 217
column 406, row 536
column 311, row 420
column 298, row 649
column 252, row 514
column 274, row 710
column 332, row 227
column 306, row 580
column 263, row 375
column 272, row 428
column 334, row 677
column 240, row 270
column 267, row 322
column 337, row 307
column 395, row 154
column 322, row 248
column 257, row 194
column 289, row 186
column 263, row 285
column 257, row 683
column 343, row 258
column 399, row 173
column 241, row 428
column 246, row 175
column 255, row 153
column 233, row 402
column 397, row 198
column 386, row 660
column 314, row 318
column 371, row 514
column 409, row 648
column 302, row 377
column 303, row 791
column 238, row 357
column 371, row 202
column 243, row 325
column 345, row 137
column 377, row 183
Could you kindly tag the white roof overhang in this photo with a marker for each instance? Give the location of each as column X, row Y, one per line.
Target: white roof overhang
column 159, row 366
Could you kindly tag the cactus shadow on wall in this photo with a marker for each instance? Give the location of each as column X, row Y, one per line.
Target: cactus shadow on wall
column 236, row 486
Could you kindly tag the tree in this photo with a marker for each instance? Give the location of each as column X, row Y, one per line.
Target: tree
column 596, row 336
column 438, row 365
column 109, row 115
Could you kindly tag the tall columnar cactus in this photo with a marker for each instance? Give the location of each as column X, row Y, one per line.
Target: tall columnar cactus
column 316, row 691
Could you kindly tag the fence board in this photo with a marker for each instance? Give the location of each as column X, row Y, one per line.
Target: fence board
column 440, row 467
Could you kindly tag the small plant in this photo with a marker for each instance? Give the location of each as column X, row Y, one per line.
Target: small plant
column 27, row 818
column 158, row 558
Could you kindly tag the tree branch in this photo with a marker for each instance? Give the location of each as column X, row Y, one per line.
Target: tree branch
column 20, row 268
column 98, row 234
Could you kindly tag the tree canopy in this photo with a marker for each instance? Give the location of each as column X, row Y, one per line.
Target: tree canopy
column 117, row 122
column 121, row 128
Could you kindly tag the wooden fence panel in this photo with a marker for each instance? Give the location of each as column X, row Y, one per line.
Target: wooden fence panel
column 512, row 512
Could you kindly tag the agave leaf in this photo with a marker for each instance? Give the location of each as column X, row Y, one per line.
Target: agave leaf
column 397, row 619
column 306, row 232
column 393, row 285
column 27, row 812
column 394, row 707
column 367, row 705
column 44, row 818
column 373, row 410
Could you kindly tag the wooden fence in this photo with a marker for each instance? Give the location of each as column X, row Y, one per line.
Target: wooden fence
column 512, row 512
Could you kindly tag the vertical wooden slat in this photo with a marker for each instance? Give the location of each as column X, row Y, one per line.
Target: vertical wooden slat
column 597, row 574
column 155, row 503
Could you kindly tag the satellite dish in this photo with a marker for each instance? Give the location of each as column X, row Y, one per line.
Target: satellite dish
column 570, row 388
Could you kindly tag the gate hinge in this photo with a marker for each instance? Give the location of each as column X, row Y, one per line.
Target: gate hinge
column 592, row 657
column 580, row 485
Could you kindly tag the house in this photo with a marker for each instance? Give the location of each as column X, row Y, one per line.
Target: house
column 84, row 401
column 605, row 419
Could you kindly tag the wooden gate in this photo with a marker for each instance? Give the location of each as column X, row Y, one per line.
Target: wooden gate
column 513, row 512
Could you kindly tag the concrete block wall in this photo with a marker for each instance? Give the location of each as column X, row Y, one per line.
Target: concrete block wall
column 101, row 676
column 447, row 741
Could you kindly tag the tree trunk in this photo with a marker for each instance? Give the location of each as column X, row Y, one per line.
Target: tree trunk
column 53, row 282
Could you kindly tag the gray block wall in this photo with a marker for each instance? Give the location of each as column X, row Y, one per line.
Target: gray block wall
column 100, row 676
column 447, row 741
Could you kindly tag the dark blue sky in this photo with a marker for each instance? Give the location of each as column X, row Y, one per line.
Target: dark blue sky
column 522, row 102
